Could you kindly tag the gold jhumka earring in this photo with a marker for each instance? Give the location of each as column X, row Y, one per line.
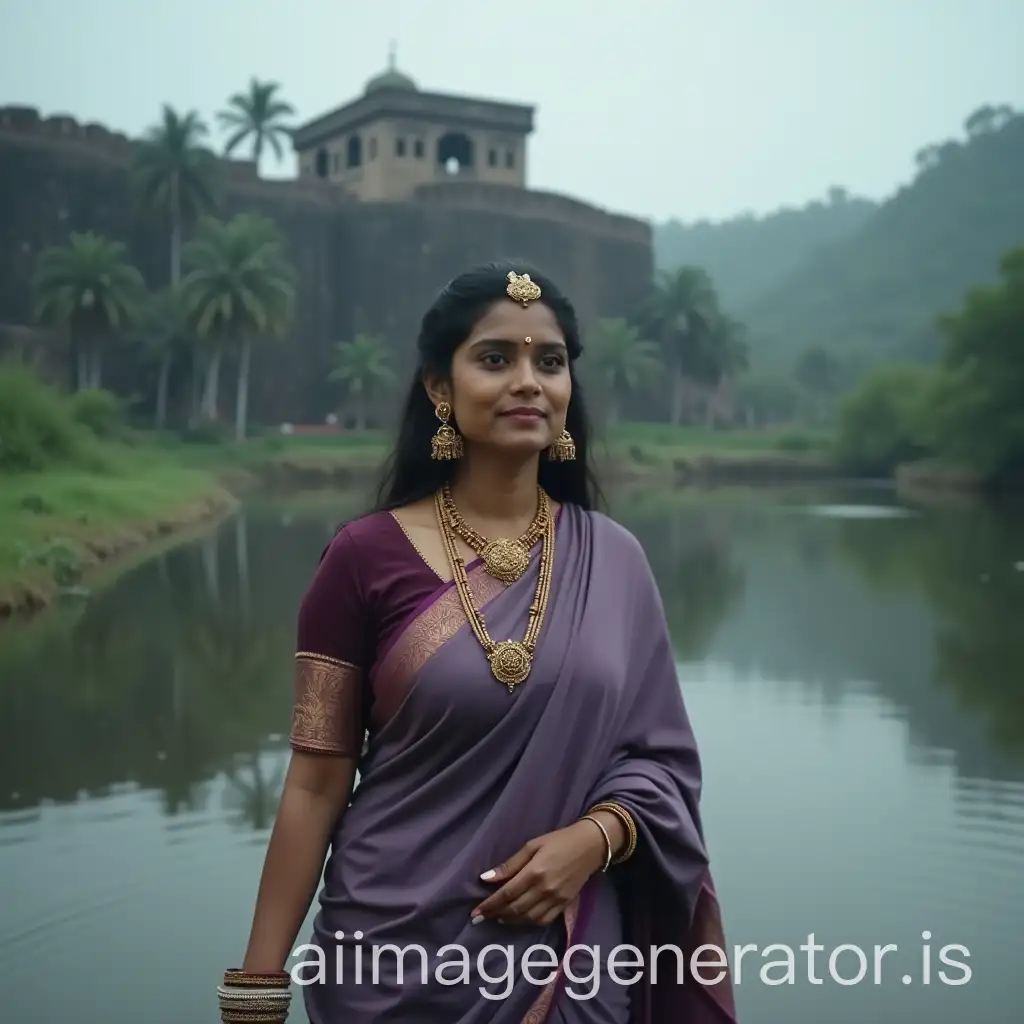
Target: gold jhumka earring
column 446, row 443
column 563, row 449
column 522, row 289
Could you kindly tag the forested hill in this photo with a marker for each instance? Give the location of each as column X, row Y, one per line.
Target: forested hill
column 877, row 293
column 746, row 256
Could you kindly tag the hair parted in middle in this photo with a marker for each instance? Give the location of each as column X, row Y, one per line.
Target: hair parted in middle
column 410, row 473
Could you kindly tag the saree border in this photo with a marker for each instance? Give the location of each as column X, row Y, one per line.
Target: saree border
column 434, row 622
column 425, row 635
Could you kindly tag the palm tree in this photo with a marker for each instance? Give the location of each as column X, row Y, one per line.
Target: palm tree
column 165, row 333
column 363, row 367
column 724, row 356
column 680, row 313
column 89, row 288
column 622, row 360
column 239, row 287
column 175, row 176
column 257, row 114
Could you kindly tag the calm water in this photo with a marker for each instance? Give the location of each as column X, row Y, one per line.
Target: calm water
column 855, row 672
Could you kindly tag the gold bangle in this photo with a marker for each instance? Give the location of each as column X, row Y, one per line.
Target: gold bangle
column 240, row 1017
column 245, row 979
column 627, row 821
column 607, row 840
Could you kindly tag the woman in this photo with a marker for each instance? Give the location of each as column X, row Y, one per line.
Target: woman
column 491, row 653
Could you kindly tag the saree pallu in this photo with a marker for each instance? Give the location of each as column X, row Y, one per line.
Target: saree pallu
column 457, row 774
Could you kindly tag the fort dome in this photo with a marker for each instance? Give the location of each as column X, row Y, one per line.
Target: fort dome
column 391, row 78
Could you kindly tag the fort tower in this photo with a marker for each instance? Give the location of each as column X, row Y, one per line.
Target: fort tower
column 395, row 138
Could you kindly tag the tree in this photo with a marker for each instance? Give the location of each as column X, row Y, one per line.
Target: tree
column 89, row 288
column 239, row 286
column 165, row 333
column 724, row 356
column 622, row 362
column 976, row 409
column 987, row 119
column 817, row 371
column 258, row 115
column 175, row 176
column 363, row 367
column 680, row 313
column 880, row 420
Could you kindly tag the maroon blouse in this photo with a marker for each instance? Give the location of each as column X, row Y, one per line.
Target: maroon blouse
column 370, row 581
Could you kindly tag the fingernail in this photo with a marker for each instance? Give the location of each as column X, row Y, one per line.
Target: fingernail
column 477, row 919
column 487, row 875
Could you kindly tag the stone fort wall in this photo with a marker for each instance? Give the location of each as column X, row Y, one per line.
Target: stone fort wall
column 361, row 265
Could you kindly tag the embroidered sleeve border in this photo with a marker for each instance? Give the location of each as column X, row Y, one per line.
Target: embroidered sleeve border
column 326, row 715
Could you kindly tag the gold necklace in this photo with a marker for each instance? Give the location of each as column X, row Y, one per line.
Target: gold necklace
column 511, row 660
column 503, row 558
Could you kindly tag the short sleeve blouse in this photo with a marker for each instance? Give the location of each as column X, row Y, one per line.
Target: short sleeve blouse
column 332, row 650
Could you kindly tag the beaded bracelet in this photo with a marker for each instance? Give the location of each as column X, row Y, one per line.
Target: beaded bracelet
column 249, row 996
column 265, row 998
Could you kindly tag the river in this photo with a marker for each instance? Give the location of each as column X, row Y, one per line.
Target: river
column 854, row 669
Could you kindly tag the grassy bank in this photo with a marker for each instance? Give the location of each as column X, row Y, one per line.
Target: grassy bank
column 680, row 455
column 79, row 490
column 113, row 495
column 633, row 450
column 60, row 524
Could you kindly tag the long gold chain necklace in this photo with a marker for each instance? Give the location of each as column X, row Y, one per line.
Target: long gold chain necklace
column 511, row 660
column 504, row 559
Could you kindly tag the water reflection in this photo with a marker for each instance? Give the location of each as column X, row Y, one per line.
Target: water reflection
column 856, row 679
column 928, row 617
column 972, row 582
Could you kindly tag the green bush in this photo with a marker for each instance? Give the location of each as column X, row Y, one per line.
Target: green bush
column 273, row 443
column 99, row 411
column 204, row 434
column 798, row 441
column 880, row 421
column 36, row 504
column 37, row 427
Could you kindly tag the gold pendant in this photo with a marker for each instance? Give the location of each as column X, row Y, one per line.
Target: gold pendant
column 510, row 663
column 506, row 560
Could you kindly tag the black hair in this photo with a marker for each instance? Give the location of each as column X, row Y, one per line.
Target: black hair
column 410, row 474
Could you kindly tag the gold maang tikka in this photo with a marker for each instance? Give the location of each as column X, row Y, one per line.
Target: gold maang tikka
column 521, row 289
column 446, row 443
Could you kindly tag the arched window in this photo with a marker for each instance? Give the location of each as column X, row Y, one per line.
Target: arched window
column 322, row 163
column 455, row 152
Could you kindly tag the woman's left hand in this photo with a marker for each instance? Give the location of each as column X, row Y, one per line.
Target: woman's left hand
column 544, row 876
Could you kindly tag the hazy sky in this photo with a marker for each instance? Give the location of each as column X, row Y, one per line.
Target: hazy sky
column 653, row 107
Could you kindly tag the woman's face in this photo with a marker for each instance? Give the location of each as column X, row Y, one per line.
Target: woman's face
column 510, row 382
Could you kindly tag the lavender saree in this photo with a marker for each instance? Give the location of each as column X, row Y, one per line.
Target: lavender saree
column 456, row 774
